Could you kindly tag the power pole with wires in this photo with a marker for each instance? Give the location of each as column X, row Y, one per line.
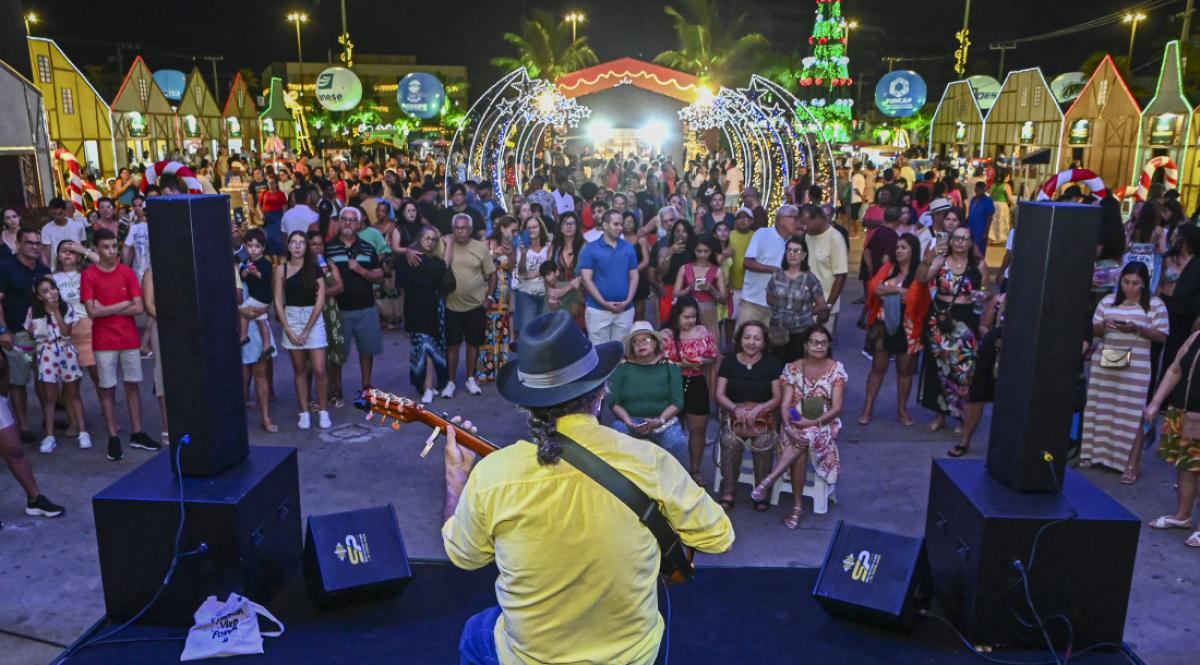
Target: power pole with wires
column 216, row 82
column 1003, row 48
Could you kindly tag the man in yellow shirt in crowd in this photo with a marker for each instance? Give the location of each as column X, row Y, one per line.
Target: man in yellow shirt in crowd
column 577, row 569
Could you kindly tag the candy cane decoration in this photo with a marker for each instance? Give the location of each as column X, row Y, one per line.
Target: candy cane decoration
column 185, row 175
column 1082, row 176
column 75, row 184
column 1156, row 163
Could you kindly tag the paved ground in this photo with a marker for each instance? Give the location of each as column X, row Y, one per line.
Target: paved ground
column 50, row 577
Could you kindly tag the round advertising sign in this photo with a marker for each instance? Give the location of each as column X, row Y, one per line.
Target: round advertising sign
column 338, row 89
column 421, row 95
column 900, row 94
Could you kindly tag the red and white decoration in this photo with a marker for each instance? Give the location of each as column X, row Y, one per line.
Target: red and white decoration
column 76, row 185
column 1081, row 176
column 1171, row 178
column 183, row 173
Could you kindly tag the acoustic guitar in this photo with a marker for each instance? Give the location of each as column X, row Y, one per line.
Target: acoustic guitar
column 676, row 557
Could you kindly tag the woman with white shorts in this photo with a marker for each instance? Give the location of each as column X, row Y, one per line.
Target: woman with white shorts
column 299, row 299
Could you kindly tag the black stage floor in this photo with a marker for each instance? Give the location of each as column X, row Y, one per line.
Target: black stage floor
column 727, row 615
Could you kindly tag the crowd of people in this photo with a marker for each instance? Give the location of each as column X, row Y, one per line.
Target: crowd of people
column 726, row 311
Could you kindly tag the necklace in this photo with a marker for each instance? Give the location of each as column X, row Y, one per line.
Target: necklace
column 748, row 365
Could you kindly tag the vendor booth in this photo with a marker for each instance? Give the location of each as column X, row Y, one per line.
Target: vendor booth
column 199, row 117
column 79, row 119
column 25, row 176
column 957, row 127
column 1026, row 118
column 240, row 119
column 1101, row 128
column 1166, row 122
column 143, row 119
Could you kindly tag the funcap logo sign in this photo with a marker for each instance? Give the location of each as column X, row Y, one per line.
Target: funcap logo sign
column 900, row 94
column 171, row 82
column 421, row 95
column 338, row 89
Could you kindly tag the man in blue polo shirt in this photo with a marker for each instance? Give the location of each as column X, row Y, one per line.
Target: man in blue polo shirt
column 17, row 274
column 608, row 266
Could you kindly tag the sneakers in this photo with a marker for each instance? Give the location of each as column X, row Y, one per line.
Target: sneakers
column 48, row 445
column 448, row 391
column 323, row 420
column 305, row 421
column 472, row 387
column 43, row 507
column 115, row 454
column 427, row 398
column 85, row 440
column 143, row 441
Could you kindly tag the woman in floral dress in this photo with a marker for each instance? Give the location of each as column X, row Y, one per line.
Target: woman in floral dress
column 494, row 352
column 813, row 395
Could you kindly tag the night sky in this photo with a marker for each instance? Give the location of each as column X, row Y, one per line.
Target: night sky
column 255, row 33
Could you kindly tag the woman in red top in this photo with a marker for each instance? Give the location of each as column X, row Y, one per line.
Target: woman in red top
column 902, row 337
column 271, row 202
column 693, row 347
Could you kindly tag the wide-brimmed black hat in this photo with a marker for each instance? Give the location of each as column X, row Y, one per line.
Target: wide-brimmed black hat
column 555, row 363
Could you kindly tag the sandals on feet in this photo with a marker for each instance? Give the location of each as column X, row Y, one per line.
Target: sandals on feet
column 958, row 450
column 270, row 428
column 1129, row 477
column 1168, row 522
column 699, row 479
column 1193, row 540
column 793, row 520
column 759, row 494
column 761, row 506
column 726, row 503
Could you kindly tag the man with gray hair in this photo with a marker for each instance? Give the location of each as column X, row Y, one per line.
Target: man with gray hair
column 466, row 307
column 361, row 270
column 764, row 256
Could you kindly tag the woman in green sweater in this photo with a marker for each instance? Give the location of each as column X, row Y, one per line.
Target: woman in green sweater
column 645, row 393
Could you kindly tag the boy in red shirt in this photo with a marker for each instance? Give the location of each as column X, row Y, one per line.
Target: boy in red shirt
column 112, row 296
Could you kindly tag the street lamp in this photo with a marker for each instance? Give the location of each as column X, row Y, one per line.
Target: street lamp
column 30, row 19
column 298, row 18
column 852, row 25
column 574, row 18
column 1133, row 18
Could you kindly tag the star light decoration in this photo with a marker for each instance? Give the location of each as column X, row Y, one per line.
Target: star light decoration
column 541, row 102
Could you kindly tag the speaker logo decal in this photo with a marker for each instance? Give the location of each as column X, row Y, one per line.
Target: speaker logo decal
column 355, row 549
column 862, row 567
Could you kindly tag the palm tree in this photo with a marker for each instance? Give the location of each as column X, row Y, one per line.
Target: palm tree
column 545, row 48
column 709, row 46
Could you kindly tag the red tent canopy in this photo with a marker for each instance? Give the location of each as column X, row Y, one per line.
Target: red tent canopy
column 630, row 71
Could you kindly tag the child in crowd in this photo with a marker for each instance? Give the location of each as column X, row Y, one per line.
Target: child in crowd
column 56, row 358
column 560, row 294
column 256, row 274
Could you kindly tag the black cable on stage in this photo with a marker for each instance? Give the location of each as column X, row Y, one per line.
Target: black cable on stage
column 175, row 557
column 1120, row 646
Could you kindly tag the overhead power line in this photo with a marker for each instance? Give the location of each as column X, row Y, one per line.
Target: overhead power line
column 1098, row 22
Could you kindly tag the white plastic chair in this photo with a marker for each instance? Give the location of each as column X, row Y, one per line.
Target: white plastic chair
column 814, row 487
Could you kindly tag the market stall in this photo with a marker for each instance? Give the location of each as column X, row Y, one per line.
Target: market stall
column 79, row 119
column 240, row 118
column 25, row 176
column 1167, row 120
column 278, row 126
column 1026, row 118
column 957, row 127
column 199, row 116
column 1101, row 127
column 143, row 119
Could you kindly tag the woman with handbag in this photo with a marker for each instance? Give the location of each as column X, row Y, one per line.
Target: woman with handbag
column 813, row 391
column 425, row 286
column 793, row 293
column 959, row 277
column 897, row 304
column 1127, row 322
column 1180, row 440
column 645, row 393
column 748, row 393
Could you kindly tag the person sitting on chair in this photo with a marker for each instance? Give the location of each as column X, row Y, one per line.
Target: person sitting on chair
column 523, row 505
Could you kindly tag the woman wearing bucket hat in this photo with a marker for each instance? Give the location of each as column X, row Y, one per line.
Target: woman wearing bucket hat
column 646, row 393
column 542, row 521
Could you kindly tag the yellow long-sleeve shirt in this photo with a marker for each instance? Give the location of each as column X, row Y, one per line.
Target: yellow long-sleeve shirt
column 577, row 569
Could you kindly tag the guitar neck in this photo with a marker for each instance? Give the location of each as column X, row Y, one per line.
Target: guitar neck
column 477, row 444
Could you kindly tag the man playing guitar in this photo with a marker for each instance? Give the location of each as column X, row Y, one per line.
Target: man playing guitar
column 578, row 570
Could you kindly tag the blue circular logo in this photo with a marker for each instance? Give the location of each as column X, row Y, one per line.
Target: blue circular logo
column 900, row 94
column 421, row 95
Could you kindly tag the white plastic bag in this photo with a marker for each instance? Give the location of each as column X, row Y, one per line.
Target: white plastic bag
column 227, row 628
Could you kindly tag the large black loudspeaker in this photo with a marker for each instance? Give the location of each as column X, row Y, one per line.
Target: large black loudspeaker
column 248, row 520
column 873, row 576
column 975, row 531
column 190, row 249
column 355, row 555
column 1046, row 320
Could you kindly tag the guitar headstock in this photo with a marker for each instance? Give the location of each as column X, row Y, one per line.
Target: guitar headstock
column 398, row 409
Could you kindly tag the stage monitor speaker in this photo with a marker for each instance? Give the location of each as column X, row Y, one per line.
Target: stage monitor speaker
column 190, row 249
column 355, row 555
column 976, row 528
column 248, row 520
column 1046, row 320
column 874, row 577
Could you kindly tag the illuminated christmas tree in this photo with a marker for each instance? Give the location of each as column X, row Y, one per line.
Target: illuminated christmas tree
column 825, row 79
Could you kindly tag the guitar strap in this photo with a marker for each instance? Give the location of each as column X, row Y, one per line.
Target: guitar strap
column 673, row 553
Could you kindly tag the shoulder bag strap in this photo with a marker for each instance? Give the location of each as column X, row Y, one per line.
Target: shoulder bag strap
column 1187, row 392
column 631, row 495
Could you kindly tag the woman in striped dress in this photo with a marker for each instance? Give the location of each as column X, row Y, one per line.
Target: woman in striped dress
column 1127, row 321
